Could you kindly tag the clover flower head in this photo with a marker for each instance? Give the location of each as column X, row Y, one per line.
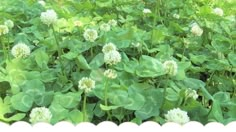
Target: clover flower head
column 3, row 29
column 112, row 22
column 41, row 2
column 78, row 23
column 9, row 23
column 186, row 43
column 196, row 30
column 109, row 73
column 176, row 16
column 218, row 11
column 146, row 11
column 49, row 17
column 105, row 27
column 86, row 84
column 190, row 93
column 90, row 35
column 112, row 57
column 171, row 67
column 40, row 114
column 20, row 50
column 108, row 48
column 177, row 115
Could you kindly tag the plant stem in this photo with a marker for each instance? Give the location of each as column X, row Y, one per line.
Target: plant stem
column 91, row 51
column 210, row 78
column 8, row 46
column 232, row 77
column 105, row 98
column 164, row 92
column 158, row 85
column 57, row 43
column 84, row 108
column 183, row 54
column 207, row 94
column 4, row 50
column 59, row 51
column 154, row 23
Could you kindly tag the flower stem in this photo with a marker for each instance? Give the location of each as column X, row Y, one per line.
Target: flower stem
column 232, row 77
column 8, row 46
column 105, row 98
column 84, row 108
column 58, row 46
column 91, row 51
column 59, row 51
column 164, row 92
column 183, row 53
column 154, row 24
column 4, row 50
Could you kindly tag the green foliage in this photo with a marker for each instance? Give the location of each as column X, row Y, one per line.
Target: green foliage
column 149, row 67
column 6, row 108
column 60, row 56
column 22, row 102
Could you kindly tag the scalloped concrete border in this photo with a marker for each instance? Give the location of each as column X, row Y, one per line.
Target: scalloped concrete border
column 108, row 126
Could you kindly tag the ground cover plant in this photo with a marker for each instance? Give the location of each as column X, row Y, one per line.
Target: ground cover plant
column 117, row 60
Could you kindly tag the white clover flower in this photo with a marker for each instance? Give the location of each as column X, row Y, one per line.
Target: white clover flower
column 20, row 50
column 218, row 11
column 90, row 35
column 40, row 114
column 177, row 115
column 41, row 2
column 108, row 48
column 170, row 67
column 105, row 27
column 176, row 16
column 196, row 30
column 186, row 43
column 9, row 23
column 190, row 93
column 49, row 17
column 109, row 73
column 86, row 84
column 112, row 57
column 78, row 23
column 112, row 22
column 146, row 11
column 3, row 29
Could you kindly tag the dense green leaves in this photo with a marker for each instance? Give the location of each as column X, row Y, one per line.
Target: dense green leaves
column 136, row 100
column 76, row 116
column 232, row 58
column 5, row 109
column 149, row 67
column 153, row 103
column 199, row 36
column 33, row 88
column 41, row 58
column 22, row 102
column 44, row 99
column 82, row 63
column 69, row 100
column 222, row 97
column 59, row 112
column 97, row 61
